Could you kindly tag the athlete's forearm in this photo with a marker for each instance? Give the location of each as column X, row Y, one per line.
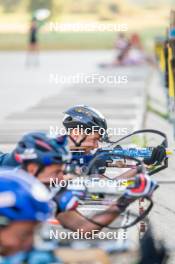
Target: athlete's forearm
column 129, row 174
column 74, row 221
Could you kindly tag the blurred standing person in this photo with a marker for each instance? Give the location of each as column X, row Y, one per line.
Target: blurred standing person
column 33, row 50
column 120, row 45
column 136, row 42
column 133, row 53
column 136, row 54
column 121, row 42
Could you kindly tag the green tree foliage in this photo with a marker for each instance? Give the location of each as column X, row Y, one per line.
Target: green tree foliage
column 10, row 5
column 108, row 9
column 37, row 4
column 57, row 7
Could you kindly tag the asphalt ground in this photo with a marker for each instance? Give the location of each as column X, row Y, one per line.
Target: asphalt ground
column 32, row 97
column 31, row 100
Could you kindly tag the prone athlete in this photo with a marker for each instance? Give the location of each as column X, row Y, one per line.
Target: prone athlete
column 44, row 158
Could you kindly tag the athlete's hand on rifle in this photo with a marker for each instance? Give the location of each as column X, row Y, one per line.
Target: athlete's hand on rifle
column 143, row 186
column 66, row 200
column 158, row 155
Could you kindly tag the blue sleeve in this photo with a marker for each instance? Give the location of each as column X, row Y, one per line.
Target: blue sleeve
column 2, row 156
column 6, row 159
column 43, row 257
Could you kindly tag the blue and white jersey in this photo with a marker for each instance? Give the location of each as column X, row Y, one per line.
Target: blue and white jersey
column 32, row 257
column 85, row 161
column 7, row 160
